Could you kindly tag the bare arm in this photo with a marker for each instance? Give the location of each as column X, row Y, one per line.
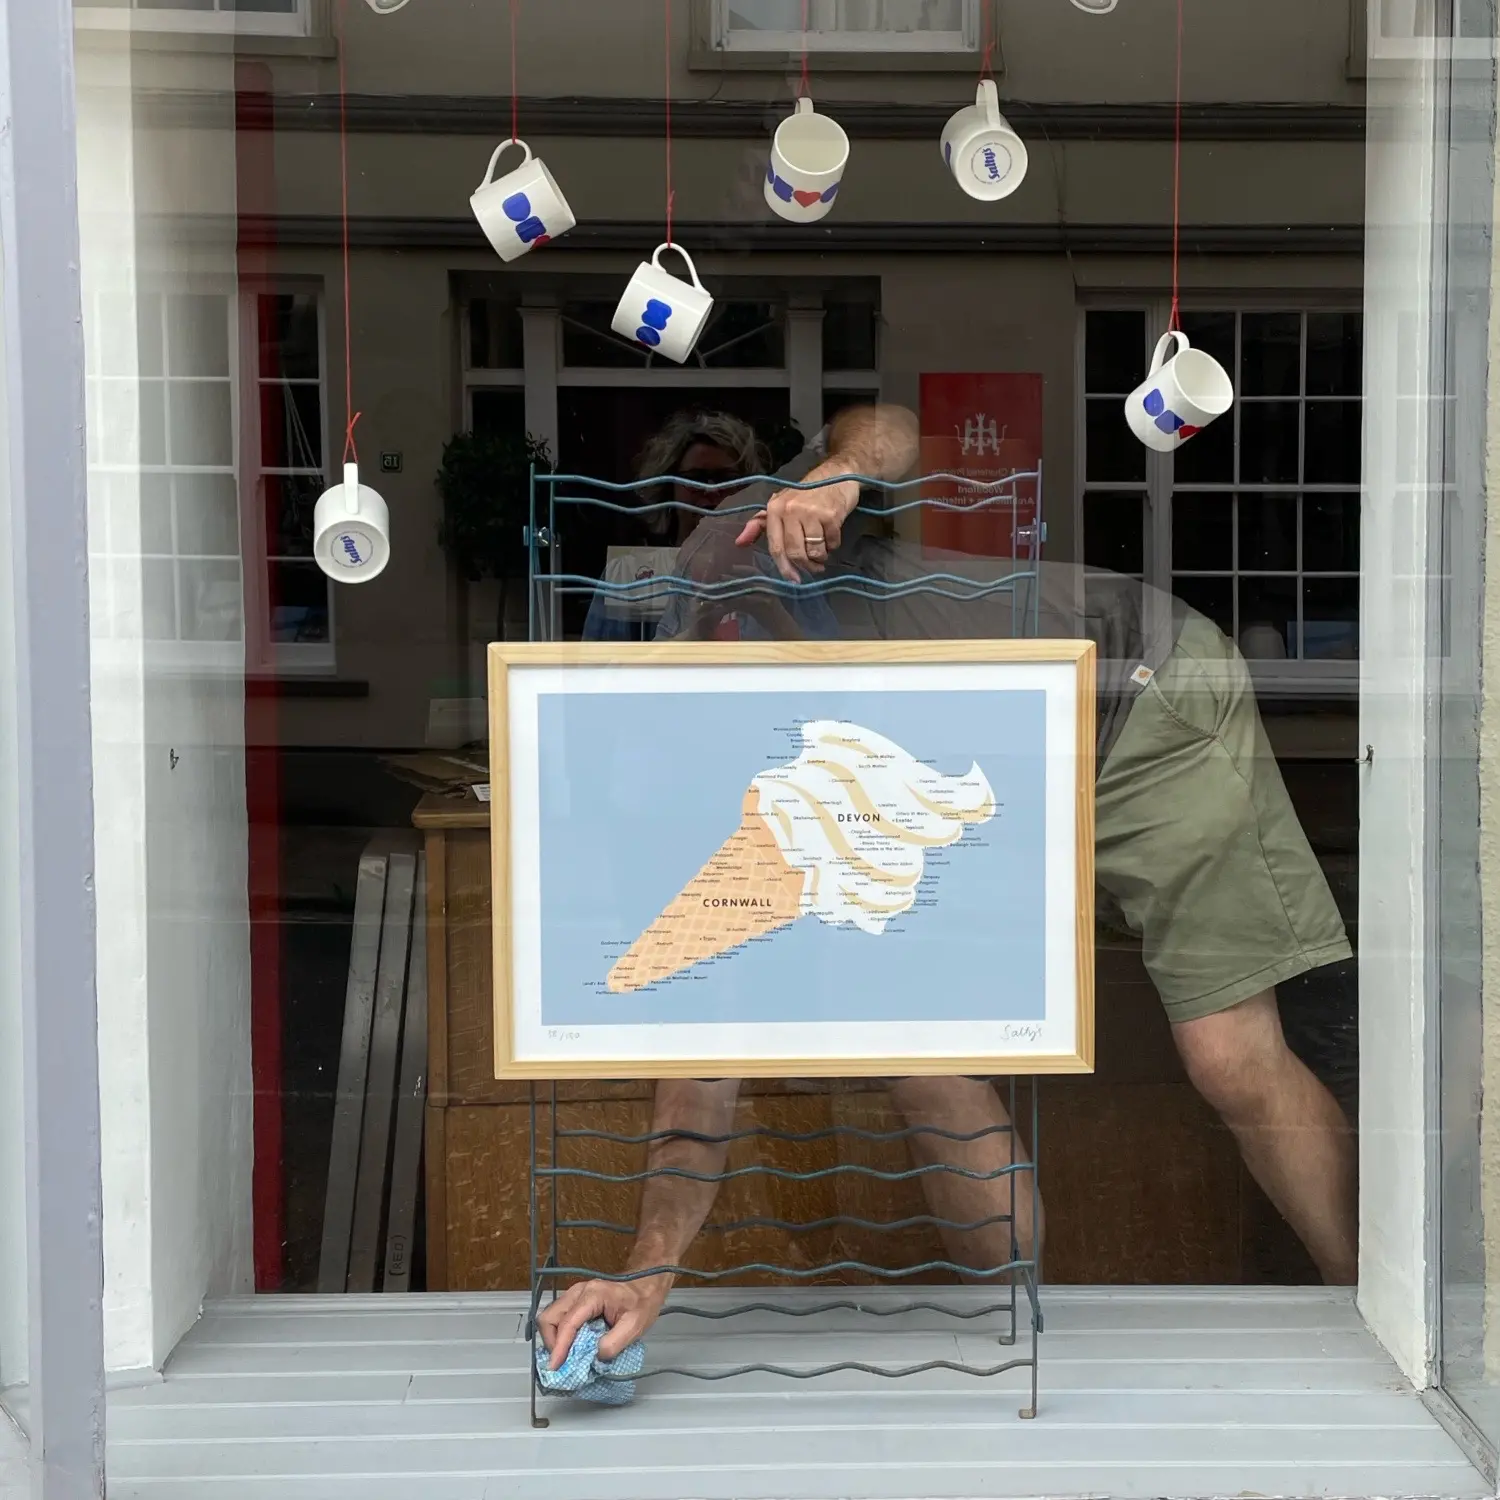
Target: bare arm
column 673, row 1210
column 802, row 527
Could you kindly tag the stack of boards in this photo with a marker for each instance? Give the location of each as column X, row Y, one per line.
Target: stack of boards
column 370, row 1213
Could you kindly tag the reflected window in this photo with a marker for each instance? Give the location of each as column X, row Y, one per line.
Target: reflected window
column 847, row 25
column 242, row 17
column 1259, row 514
column 293, row 464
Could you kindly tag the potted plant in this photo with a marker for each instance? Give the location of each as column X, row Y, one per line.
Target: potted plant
column 485, row 484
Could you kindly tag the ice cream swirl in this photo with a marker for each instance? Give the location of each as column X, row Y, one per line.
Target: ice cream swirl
column 857, row 815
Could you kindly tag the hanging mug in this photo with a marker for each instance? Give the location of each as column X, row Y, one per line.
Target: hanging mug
column 523, row 209
column 351, row 530
column 661, row 312
column 987, row 158
column 1180, row 397
column 808, row 155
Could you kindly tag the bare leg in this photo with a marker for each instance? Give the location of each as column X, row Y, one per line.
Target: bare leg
column 963, row 1106
column 1292, row 1134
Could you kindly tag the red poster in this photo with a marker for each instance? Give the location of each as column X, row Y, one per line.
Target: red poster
column 985, row 428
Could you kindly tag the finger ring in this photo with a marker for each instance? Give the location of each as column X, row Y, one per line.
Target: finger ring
column 815, row 542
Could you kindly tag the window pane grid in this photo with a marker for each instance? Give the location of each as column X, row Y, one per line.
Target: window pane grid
column 1290, row 601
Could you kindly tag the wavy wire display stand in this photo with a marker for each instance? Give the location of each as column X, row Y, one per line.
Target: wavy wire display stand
column 550, row 1171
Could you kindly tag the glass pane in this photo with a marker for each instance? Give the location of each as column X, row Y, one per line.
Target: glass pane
column 156, row 532
column 1335, row 353
column 849, row 335
column 1271, row 354
column 1269, row 442
column 1268, row 618
column 211, row 600
column 289, row 501
column 1330, row 619
column 847, row 15
column 1330, row 533
column 1114, row 531
column 499, row 411
column 1268, row 533
column 1213, row 332
column 1213, row 597
column 1202, row 532
column 1113, row 451
column 208, row 520
column 1114, row 352
column 744, row 335
column 197, row 335
column 1334, row 435
column 299, row 603
column 290, row 340
column 202, row 423
column 1207, row 458
column 291, row 433
column 495, row 335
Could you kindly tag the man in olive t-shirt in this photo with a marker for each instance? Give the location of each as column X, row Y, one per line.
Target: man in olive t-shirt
column 1198, row 848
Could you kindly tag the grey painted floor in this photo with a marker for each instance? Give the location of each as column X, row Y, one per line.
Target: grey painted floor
column 1144, row 1393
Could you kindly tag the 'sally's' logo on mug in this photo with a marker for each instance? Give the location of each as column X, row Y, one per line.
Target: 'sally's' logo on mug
column 353, row 556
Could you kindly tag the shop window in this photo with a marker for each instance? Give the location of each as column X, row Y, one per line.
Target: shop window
column 894, row 26
column 1255, row 522
column 851, row 332
column 293, row 465
column 241, row 17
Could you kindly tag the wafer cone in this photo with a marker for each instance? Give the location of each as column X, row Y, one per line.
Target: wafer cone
column 748, row 867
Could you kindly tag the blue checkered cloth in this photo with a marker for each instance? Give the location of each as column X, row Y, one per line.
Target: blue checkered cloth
column 579, row 1373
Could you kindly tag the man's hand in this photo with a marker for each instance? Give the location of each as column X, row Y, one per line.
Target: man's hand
column 629, row 1307
column 804, row 527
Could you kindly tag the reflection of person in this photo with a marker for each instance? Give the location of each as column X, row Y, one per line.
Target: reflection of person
column 709, row 447
column 1197, row 846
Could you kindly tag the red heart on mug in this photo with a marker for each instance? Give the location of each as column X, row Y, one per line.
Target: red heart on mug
column 805, row 198
column 1186, row 431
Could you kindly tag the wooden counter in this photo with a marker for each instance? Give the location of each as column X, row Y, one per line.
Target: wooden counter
column 1142, row 1183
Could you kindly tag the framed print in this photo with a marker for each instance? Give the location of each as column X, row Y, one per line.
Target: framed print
column 792, row 859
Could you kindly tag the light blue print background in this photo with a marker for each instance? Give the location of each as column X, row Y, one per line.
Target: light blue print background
column 637, row 791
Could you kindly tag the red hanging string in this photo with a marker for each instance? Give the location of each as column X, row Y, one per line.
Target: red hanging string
column 1177, row 183
column 668, row 95
column 351, row 452
column 805, row 87
column 515, row 96
column 986, row 61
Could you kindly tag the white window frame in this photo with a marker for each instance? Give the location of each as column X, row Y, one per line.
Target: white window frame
column 143, row 16
column 1386, row 31
column 824, row 37
column 265, row 656
column 1296, row 678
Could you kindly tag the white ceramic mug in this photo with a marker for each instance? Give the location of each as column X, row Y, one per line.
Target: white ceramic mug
column 1180, row 397
column 808, row 155
column 523, row 209
column 351, row 530
column 987, row 158
column 662, row 312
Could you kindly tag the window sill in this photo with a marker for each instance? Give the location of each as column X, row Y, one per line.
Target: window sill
column 305, row 685
column 200, row 43
column 703, row 59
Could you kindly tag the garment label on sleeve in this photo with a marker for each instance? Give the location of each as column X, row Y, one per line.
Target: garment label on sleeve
column 1142, row 675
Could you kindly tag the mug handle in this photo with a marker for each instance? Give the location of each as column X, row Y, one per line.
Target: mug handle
column 987, row 97
column 351, row 489
column 804, row 105
column 692, row 269
column 1160, row 357
column 489, row 175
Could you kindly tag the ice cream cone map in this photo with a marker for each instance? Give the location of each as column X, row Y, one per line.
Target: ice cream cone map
column 840, row 834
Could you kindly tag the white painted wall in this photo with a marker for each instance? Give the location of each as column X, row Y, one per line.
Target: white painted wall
column 170, row 833
column 1396, row 676
column 13, row 1315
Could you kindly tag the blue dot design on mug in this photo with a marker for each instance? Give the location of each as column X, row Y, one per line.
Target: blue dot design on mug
column 653, row 321
column 786, row 192
column 529, row 228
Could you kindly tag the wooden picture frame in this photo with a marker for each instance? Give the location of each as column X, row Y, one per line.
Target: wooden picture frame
column 959, row 999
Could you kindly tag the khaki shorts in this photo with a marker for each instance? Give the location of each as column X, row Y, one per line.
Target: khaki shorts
column 1198, row 843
